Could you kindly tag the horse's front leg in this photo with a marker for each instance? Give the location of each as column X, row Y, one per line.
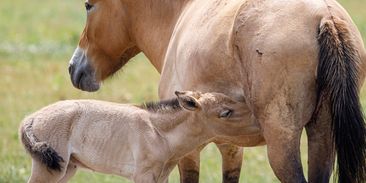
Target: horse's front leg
column 189, row 167
column 232, row 157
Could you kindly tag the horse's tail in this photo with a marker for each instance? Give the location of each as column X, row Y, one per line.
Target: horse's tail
column 39, row 150
column 337, row 82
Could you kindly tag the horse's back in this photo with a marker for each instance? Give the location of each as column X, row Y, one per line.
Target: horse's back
column 278, row 46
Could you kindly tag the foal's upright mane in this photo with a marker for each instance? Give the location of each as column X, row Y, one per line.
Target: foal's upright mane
column 163, row 106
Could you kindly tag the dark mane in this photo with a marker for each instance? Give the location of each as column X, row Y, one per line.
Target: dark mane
column 169, row 105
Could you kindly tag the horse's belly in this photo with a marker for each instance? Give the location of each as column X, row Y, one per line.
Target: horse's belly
column 242, row 141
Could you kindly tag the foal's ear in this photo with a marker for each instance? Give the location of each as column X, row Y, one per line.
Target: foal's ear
column 187, row 100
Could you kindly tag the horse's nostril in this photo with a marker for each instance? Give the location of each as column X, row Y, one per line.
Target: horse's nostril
column 71, row 68
column 79, row 79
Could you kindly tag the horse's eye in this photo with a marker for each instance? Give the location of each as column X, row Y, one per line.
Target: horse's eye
column 88, row 6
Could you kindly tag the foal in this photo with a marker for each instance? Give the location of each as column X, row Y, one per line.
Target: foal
column 142, row 143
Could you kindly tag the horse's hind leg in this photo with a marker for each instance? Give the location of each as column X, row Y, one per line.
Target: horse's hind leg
column 283, row 150
column 320, row 151
column 282, row 126
column 232, row 157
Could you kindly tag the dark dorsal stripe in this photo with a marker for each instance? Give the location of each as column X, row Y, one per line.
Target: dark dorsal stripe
column 162, row 106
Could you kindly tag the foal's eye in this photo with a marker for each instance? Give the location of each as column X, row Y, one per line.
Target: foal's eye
column 88, row 6
column 226, row 113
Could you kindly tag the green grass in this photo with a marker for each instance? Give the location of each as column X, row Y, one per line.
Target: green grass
column 36, row 41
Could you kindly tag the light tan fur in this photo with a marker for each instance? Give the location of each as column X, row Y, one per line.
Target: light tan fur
column 264, row 52
column 125, row 140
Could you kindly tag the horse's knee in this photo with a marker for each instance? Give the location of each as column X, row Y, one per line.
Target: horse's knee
column 231, row 153
column 189, row 171
column 189, row 176
column 232, row 157
column 231, row 176
column 189, row 167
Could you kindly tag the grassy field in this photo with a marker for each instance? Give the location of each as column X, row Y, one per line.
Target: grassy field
column 37, row 39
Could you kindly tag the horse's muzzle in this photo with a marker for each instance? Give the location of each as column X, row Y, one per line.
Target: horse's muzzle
column 82, row 74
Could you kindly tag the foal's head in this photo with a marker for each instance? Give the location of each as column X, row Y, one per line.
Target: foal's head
column 219, row 113
column 105, row 45
column 212, row 107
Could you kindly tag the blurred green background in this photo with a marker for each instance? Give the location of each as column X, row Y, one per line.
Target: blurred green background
column 37, row 38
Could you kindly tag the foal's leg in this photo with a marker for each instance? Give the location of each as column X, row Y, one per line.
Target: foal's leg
column 320, row 151
column 189, row 167
column 232, row 157
column 40, row 173
column 70, row 172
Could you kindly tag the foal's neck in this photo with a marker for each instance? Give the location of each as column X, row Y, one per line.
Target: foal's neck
column 152, row 26
column 168, row 121
column 182, row 130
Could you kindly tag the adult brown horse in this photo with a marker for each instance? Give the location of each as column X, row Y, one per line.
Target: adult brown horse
column 283, row 58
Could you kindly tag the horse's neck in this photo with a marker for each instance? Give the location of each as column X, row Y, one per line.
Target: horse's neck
column 153, row 25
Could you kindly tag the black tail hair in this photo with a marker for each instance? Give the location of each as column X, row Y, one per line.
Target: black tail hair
column 337, row 80
column 39, row 150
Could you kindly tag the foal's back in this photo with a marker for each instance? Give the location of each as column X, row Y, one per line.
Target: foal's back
column 78, row 115
column 92, row 134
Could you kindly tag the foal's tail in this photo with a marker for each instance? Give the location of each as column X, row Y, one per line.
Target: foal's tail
column 39, row 150
column 337, row 80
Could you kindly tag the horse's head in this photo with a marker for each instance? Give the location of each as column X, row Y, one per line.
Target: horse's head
column 104, row 47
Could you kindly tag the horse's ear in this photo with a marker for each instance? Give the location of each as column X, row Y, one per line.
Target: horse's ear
column 187, row 100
